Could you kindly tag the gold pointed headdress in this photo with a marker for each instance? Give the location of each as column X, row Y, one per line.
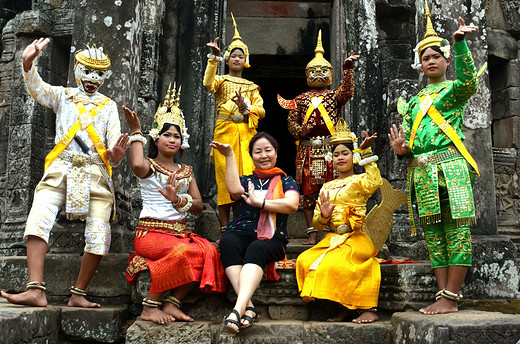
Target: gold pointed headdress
column 169, row 112
column 237, row 43
column 430, row 39
column 342, row 133
column 93, row 57
column 318, row 59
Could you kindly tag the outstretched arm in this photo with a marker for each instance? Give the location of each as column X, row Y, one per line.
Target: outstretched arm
column 233, row 184
column 138, row 163
column 346, row 91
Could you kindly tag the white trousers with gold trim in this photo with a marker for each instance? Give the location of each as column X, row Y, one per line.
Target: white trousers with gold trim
column 50, row 196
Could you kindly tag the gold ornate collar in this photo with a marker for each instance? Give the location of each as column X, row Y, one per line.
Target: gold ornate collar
column 79, row 96
column 183, row 172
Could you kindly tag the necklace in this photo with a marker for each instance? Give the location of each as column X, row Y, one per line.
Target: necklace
column 263, row 183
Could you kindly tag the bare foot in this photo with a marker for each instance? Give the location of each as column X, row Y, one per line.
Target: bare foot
column 340, row 316
column 366, row 317
column 81, row 301
column 311, row 240
column 172, row 310
column 156, row 315
column 441, row 306
column 31, row 297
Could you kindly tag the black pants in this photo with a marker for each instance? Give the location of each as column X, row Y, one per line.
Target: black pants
column 239, row 249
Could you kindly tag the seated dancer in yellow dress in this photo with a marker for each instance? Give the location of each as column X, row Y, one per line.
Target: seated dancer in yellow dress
column 178, row 260
column 239, row 108
column 342, row 267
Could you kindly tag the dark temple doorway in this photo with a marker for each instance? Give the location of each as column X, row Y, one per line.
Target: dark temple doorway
column 284, row 75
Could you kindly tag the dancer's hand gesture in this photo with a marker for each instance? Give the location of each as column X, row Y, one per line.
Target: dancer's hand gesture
column 251, row 198
column 397, row 140
column 132, row 120
column 325, row 206
column 116, row 153
column 214, row 47
column 350, row 60
column 239, row 99
column 368, row 140
column 171, row 188
column 33, row 50
column 463, row 30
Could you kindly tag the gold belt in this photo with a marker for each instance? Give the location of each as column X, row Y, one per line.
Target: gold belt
column 80, row 159
column 236, row 117
column 318, row 141
column 433, row 158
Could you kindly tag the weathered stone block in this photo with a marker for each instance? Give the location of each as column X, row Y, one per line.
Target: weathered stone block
column 108, row 284
column 329, row 333
column 507, row 132
column 506, row 103
column 34, row 23
column 277, row 312
column 28, row 325
column 501, row 44
column 461, row 328
column 93, row 325
column 177, row 332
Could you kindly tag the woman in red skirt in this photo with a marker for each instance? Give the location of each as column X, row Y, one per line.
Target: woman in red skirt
column 178, row 260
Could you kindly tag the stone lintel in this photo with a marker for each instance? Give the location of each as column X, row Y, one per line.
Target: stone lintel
column 34, row 23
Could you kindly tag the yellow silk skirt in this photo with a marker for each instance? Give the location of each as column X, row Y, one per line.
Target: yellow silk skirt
column 348, row 274
column 238, row 136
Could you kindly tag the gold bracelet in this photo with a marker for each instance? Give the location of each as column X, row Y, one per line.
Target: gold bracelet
column 138, row 132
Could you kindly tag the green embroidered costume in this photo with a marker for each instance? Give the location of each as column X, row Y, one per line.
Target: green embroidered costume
column 441, row 171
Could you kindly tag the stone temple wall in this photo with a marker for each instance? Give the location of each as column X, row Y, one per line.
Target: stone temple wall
column 155, row 42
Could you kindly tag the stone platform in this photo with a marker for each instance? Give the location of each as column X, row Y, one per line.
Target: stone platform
column 58, row 324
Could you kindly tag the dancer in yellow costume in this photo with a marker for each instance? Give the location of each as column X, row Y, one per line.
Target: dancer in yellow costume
column 342, row 267
column 239, row 108
column 77, row 170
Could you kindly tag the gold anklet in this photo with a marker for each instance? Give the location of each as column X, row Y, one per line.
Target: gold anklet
column 77, row 291
column 35, row 285
column 173, row 300
column 151, row 303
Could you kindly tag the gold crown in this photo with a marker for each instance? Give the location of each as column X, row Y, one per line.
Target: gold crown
column 93, row 57
column 169, row 112
column 430, row 37
column 342, row 133
column 237, row 43
column 318, row 59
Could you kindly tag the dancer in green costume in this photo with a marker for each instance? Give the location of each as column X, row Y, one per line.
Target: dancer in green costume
column 441, row 171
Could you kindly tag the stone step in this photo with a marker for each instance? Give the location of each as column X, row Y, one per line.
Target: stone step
column 405, row 327
column 269, row 331
column 53, row 324
column 108, row 286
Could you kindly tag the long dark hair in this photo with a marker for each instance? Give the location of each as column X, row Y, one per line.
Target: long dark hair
column 153, row 151
column 264, row 135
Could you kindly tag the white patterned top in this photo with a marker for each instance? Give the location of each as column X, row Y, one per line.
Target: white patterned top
column 62, row 101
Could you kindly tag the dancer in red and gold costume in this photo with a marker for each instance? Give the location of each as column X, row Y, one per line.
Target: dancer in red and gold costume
column 311, row 121
column 178, row 259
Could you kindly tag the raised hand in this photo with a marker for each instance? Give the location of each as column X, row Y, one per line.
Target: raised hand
column 171, row 188
column 304, row 130
column 116, row 153
column 131, row 119
column 214, row 47
column 325, row 206
column 33, row 50
column 396, row 137
column 239, row 99
column 350, row 60
column 224, row 148
column 251, row 199
column 368, row 140
column 463, row 30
